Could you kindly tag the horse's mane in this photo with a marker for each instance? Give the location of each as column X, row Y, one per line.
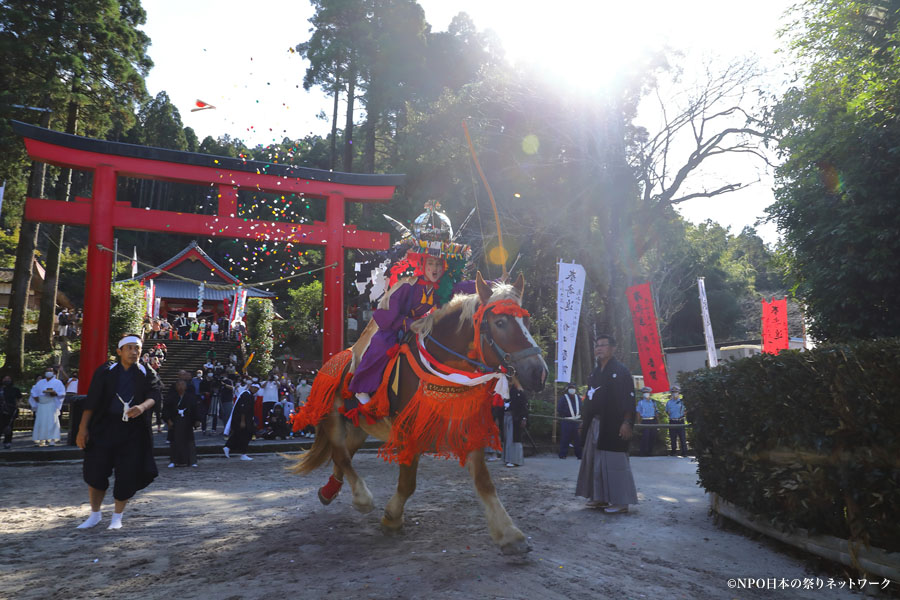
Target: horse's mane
column 465, row 305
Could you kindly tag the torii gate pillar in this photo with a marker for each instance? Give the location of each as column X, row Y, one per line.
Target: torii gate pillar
column 97, row 284
column 332, row 288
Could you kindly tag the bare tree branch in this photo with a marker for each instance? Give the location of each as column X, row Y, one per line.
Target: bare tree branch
column 715, row 120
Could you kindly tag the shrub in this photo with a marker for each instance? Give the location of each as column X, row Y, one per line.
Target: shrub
column 259, row 317
column 126, row 312
column 805, row 439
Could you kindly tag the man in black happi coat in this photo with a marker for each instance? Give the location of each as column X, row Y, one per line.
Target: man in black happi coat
column 115, row 431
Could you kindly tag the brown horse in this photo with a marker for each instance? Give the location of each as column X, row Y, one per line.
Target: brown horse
column 503, row 343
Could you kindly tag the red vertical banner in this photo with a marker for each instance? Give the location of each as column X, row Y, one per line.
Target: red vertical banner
column 646, row 332
column 774, row 326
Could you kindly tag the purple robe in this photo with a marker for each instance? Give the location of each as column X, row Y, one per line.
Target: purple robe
column 406, row 304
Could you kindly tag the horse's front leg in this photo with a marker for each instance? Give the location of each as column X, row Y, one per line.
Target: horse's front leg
column 510, row 539
column 392, row 521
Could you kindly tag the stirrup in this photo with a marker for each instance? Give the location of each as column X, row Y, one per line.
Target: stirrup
column 330, row 490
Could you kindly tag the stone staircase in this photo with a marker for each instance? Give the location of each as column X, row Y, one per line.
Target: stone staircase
column 190, row 355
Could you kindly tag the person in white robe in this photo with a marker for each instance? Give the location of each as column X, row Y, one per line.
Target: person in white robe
column 46, row 401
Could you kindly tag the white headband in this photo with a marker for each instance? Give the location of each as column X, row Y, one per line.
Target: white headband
column 130, row 339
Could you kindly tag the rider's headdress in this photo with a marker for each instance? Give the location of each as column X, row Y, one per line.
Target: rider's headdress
column 431, row 235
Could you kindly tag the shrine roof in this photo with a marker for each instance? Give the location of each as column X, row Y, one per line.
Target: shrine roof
column 185, row 290
column 201, row 160
column 191, row 252
column 192, row 248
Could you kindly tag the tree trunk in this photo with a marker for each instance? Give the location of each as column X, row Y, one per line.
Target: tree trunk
column 54, row 249
column 372, row 112
column 347, row 165
column 21, row 282
column 620, row 246
column 400, row 134
column 334, row 120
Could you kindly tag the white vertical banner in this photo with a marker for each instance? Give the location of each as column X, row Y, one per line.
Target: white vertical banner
column 150, row 292
column 134, row 264
column 240, row 304
column 234, row 305
column 569, row 291
column 155, row 306
column 200, row 293
column 707, row 325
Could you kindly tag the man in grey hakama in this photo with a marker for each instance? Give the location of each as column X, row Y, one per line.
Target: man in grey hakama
column 605, row 477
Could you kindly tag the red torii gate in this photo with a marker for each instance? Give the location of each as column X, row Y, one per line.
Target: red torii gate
column 103, row 214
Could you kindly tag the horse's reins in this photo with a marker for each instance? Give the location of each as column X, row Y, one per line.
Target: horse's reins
column 507, row 360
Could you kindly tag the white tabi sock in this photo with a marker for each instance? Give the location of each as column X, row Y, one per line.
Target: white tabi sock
column 363, row 397
column 91, row 520
column 116, row 521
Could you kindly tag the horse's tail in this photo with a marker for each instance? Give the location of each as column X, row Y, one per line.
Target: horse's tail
column 315, row 457
column 317, row 411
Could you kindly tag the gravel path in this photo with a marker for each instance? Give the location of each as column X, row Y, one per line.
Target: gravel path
column 248, row 530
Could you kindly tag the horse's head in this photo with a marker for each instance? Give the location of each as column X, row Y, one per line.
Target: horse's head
column 502, row 326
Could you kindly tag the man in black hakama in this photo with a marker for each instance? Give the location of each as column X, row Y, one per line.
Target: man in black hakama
column 115, row 431
column 181, row 416
column 240, row 426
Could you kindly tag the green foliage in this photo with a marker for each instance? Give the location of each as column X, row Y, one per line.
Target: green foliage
column 736, row 269
column 298, row 334
column 84, row 59
column 160, row 124
column 72, row 270
column 836, row 189
column 259, row 316
column 126, row 311
column 8, row 243
column 805, row 439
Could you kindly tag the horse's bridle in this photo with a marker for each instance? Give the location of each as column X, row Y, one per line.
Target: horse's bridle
column 508, row 361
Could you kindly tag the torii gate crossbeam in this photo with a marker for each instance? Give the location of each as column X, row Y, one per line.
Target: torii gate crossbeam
column 102, row 214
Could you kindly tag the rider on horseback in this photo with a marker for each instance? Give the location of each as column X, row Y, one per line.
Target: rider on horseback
column 438, row 264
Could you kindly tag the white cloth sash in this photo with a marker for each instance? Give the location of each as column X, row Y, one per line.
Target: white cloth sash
column 575, row 414
column 501, row 387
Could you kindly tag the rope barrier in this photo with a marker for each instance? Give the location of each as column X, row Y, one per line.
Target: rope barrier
column 636, row 426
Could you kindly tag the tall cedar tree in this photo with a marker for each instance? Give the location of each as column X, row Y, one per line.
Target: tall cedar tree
column 86, row 60
column 334, row 52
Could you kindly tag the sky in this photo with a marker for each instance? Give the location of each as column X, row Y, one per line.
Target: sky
column 237, row 56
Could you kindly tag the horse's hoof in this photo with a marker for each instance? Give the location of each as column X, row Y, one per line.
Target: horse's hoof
column 391, row 526
column 364, row 508
column 516, row 547
column 324, row 500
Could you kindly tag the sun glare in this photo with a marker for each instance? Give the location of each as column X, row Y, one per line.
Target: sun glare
column 578, row 45
column 585, row 45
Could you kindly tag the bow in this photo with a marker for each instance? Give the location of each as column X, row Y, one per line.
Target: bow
column 490, row 196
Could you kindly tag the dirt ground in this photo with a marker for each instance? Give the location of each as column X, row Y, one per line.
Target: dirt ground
column 245, row 530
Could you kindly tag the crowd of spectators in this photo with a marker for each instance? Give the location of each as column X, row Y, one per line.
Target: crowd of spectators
column 68, row 323
column 210, row 396
column 182, row 327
